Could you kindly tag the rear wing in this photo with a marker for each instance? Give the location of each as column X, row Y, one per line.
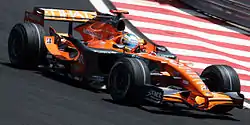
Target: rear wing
column 40, row 14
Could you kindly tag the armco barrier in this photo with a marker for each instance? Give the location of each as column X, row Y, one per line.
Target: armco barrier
column 236, row 11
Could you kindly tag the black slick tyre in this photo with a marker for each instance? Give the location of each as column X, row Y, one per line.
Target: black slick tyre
column 26, row 48
column 221, row 78
column 126, row 78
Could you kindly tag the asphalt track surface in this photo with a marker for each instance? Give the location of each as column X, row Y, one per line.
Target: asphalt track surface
column 30, row 98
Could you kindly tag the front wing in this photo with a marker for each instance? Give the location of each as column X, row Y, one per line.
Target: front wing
column 160, row 95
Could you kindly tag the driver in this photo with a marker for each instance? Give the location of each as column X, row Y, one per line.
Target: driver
column 130, row 40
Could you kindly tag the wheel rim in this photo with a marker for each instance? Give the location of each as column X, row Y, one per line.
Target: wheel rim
column 16, row 45
column 120, row 81
column 212, row 82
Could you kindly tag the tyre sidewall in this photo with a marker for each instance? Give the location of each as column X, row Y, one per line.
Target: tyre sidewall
column 32, row 48
column 224, row 78
column 134, row 68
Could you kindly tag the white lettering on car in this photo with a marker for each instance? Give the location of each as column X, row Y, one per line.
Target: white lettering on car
column 68, row 13
column 92, row 33
column 154, row 94
column 204, row 87
column 185, row 82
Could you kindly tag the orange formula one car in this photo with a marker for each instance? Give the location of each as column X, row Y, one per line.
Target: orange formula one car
column 132, row 69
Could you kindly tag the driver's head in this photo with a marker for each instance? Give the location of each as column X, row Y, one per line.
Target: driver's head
column 130, row 40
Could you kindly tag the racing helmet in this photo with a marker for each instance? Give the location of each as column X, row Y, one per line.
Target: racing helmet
column 130, row 40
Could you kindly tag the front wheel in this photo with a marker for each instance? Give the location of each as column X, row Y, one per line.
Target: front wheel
column 221, row 78
column 126, row 77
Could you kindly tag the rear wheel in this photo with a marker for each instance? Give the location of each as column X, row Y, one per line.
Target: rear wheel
column 25, row 45
column 126, row 77
column 221, row 78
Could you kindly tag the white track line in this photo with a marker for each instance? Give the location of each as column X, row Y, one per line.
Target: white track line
column 157, row 5
column 100, row 6
column 247, row 105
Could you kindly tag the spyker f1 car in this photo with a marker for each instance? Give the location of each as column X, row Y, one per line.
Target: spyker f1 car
column 143, row 72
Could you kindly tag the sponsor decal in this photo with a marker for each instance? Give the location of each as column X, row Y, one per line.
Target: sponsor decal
column 81, row 59
column 69, row 13
column 92, row 33
column 105, row 51
column 173, row 62
column 181, row 65
column 102, row 42
column 154, row 96
column 48, row 40
column 194, row 76
column 199, row 82
column 196, row 80
column 175, row 73
column 185, row 82
column 204, row 87
column 98, row 78
column 184, row 67
column 78, row 67
column 156, row 74
column 190, row 72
